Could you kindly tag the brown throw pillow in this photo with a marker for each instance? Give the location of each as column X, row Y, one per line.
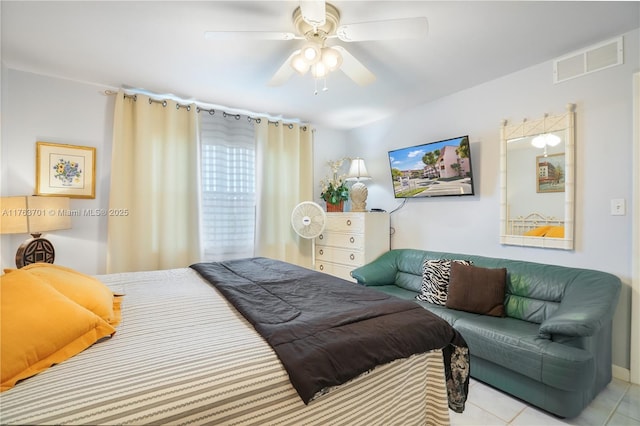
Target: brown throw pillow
column 477, row 290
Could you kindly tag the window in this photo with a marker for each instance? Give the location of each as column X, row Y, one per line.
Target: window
column 228, row 187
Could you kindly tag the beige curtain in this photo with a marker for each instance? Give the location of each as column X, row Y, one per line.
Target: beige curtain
column 155, row 179
column 284, row 172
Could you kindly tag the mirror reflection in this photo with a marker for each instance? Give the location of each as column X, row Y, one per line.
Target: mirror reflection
column 537, row 182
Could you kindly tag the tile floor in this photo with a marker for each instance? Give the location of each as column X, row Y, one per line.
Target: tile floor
column 617, row 405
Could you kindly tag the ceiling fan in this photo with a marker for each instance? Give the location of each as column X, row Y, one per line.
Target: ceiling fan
column 317, row 22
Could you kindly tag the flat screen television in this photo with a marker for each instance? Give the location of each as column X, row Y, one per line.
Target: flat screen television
column 434, row 169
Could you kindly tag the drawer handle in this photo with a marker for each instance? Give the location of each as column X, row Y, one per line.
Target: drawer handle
column 321, row 252
column 321, row 267
column 348, row 222
column 352, row 240
column 352, row 256
column 321, row 237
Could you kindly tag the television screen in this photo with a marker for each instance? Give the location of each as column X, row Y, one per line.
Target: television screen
column 432, row 169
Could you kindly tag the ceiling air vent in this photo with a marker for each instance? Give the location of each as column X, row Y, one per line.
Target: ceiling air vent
column 591, row 59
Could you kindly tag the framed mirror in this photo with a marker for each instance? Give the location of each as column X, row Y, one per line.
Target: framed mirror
column 537, row 182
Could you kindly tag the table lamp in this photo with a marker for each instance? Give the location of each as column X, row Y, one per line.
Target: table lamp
column 34, row 215
column 359, row 192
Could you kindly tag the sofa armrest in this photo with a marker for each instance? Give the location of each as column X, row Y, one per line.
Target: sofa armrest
column 381, row 271
column 588, row 303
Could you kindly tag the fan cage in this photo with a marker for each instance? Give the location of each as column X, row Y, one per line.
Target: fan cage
column 308, row 219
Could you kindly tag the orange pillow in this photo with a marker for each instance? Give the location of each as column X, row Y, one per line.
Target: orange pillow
column 82, row 289
column 40, row 327
column 555, row 232
column 540, row 231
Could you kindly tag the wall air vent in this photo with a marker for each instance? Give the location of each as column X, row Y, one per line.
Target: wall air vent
column 591, row 59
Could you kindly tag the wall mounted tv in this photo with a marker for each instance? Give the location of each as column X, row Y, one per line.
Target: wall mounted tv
column 434, row 169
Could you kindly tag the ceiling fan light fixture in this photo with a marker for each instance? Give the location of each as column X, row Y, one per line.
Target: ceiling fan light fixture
column 317, row 21
column 538, row 142
column 544, row 140
column 331, row 58
column 553, row 140
column 299, row 64
column 319, row 70
column 311, row 53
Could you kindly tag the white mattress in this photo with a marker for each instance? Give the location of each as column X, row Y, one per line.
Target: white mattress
column 183, row 355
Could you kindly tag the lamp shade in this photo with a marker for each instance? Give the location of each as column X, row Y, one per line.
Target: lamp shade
column 54, row 214
column 357, row 170
column 12, row 219
column 34, row 215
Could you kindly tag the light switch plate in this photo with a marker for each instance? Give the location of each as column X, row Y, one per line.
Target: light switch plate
column 618, row 207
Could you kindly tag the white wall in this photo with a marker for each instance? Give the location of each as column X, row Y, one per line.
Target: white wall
column 328, row 145
column 471, row 224
column 39, row 108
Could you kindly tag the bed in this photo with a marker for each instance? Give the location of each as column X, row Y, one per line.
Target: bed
column 182, row 354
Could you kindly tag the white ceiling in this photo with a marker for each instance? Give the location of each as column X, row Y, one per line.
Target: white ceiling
column 159, row 46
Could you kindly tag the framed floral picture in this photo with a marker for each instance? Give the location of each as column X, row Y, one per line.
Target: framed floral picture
column 65, row 170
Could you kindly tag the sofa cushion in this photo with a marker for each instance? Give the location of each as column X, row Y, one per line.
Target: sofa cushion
column 515, row 345
column 409, row 281
column 534, row 292
column 449, row 315
column 396, row 291
column 478, row 290
column 435, row 280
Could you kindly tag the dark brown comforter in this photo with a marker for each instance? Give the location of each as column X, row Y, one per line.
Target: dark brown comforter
column 327, row 331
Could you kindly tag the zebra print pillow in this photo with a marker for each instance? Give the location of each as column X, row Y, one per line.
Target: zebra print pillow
column 435, row 280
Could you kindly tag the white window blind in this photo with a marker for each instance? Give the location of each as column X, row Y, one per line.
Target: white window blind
column 228, row 187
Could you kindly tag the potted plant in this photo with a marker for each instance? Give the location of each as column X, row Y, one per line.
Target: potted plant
column 334, row 190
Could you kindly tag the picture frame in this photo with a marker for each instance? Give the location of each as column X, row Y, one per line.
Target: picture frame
column 550, row 173
column 64, row 170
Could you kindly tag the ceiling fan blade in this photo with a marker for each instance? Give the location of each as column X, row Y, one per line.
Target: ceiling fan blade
column 313, row 12
column 354, row 69
column 392, row 29
column 249, row 35
column 284, row 73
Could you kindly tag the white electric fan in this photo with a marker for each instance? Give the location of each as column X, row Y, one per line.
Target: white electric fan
column 308, row 220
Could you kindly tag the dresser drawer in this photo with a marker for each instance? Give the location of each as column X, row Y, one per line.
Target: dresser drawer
column 345, row 256
column 340, row 271
column 345, row 222
column 334, row 239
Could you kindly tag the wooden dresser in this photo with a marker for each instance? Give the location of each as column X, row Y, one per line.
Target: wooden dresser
column 350, row 240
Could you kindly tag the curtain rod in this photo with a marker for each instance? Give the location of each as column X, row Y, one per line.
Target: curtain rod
column 211, row 111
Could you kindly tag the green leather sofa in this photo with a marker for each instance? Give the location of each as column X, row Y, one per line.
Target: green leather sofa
column 553, row 347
